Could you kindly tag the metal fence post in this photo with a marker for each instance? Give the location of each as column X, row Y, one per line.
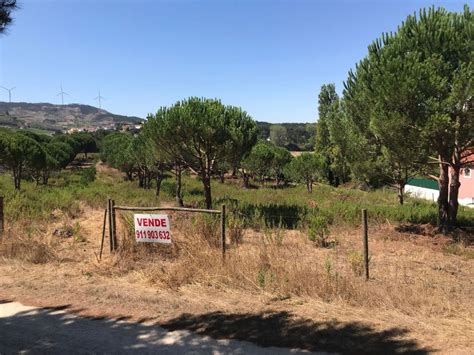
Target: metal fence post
column 365, row 236
column 114, row 225
column 223, row 231
column 109, row 212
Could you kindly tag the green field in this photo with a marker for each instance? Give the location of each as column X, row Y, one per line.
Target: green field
column 289, row 207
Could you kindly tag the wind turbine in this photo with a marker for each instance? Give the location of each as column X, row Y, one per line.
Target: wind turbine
column 100, row 98
column 9, row 92
column 62, row 93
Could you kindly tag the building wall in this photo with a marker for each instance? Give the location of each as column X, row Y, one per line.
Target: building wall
column 422, row 192
column 466, row 191
column 432, row 195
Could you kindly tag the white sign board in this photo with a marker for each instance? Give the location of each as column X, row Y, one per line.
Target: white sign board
column 152, row 228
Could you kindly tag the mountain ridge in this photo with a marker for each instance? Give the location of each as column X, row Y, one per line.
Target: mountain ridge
column 52, row 117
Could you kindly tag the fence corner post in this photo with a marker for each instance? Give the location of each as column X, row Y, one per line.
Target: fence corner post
column 365, row 236
column 2, row 217
column 223, row 231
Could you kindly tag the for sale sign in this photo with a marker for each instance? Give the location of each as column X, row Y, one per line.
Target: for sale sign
column 152, row 228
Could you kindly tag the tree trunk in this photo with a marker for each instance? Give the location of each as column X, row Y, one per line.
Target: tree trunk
column 159, row 179
column 179, row 198
column 443, row 205
column 246, row 179
column 17, row 177
column 222, row 177
column 206, row 181
column 45, row 177
column 148, row 181
column 454, row 185
column 400, row 188
column 309, row 186
column 17, row 182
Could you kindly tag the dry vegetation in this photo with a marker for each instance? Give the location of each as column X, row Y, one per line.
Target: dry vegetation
column 420, row 282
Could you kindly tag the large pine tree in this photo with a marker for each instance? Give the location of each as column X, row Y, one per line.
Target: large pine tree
column 413, row 93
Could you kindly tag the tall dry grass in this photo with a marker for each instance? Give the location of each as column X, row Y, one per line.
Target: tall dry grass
column 26, row 243
column 281, row 264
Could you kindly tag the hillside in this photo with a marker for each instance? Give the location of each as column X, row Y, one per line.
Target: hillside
column 59, row 118
column 50, row 117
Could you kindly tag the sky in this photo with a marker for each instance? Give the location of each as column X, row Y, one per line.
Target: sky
column 268, row 57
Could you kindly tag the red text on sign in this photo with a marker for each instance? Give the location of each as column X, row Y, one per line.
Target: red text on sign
column 151, row 222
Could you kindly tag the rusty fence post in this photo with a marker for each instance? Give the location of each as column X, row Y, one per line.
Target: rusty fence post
column 223, row 231
column 365, row 236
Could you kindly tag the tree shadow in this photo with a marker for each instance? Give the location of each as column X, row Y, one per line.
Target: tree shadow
column 275, row 215
column 55, row 330
column 52, row 330
column 281, row 329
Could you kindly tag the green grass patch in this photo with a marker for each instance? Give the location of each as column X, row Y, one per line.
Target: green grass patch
column 290, row 207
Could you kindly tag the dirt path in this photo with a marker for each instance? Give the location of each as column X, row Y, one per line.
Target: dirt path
column 54, row 331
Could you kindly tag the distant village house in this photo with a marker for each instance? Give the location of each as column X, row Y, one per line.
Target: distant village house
column 428, row 189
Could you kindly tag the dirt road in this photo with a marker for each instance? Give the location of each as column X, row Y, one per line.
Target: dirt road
column 51, row 330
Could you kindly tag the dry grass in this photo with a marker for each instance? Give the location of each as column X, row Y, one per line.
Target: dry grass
column 415, row 279
column 411, row 279
column 29, row 245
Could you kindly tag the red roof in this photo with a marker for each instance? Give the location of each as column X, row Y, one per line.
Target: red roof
column 467, row 156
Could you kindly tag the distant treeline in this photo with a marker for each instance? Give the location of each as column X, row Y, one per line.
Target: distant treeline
column 292, row 136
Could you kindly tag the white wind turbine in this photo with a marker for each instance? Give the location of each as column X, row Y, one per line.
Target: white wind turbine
column 62, row 93
column 99, row 98
column 9, row 92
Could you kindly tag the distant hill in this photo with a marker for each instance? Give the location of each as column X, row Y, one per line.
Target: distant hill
column 50, row 117
column 59, row 118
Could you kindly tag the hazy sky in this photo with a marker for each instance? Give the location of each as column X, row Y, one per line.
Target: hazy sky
column 270, row 57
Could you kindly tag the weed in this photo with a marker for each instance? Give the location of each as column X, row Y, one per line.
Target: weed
column 235, row 227
column 328, row 266
column 77, row 233
column 460, row 250
column 356, row 262
column 208, row 227
column 274, row 236
column 318, row 230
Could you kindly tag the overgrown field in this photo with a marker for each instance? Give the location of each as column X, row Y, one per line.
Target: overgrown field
column 264, row 206
column 294, row 250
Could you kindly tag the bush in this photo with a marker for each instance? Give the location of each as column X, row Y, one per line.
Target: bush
column 318, row 231
column 88, row 175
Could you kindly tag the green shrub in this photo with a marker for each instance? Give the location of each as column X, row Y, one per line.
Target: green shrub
column 318, row 230
column 88, row 175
